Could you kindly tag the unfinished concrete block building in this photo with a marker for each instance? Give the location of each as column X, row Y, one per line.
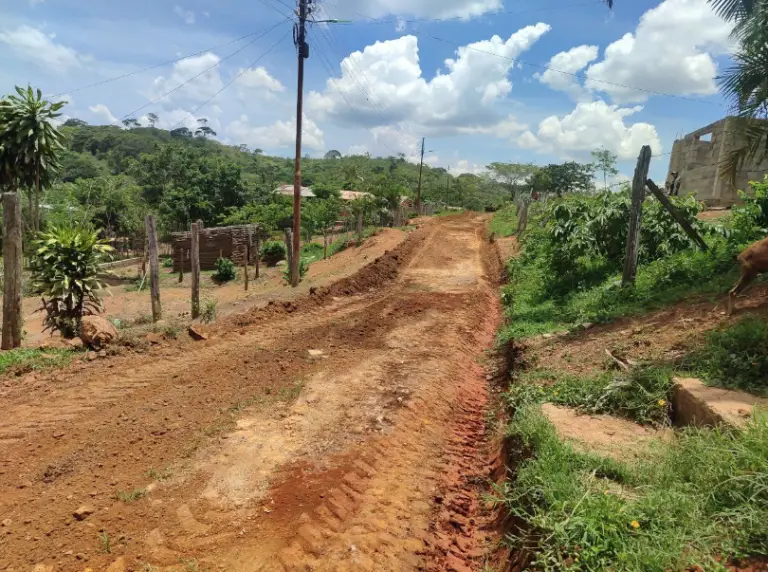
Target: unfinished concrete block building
column 696, row 159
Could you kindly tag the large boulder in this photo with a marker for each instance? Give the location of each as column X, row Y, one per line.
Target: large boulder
column 97, row 332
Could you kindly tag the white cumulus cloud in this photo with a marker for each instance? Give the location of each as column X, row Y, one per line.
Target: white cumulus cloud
column 589, row 126
column 671, row 51
column 198, row 76
column 419, row 8
column 102, row 113
column 259, row 78
column 384, row 84
column 565, row 63
column 279, row 134
column 32, row 45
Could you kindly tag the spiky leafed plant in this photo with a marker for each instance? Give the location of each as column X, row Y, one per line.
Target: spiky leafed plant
column 29, row 145
column 745, row 82
column 65, row 270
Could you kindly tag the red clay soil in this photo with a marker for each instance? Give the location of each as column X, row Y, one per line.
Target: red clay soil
column 341, row 431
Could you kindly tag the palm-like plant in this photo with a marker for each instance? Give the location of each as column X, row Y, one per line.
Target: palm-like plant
column 29, row 145
column 745, row 82
column 65, row 269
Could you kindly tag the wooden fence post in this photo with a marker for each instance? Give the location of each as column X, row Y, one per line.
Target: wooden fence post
column 195, row 267
column 247, row 256
column 289, row 249
column 686, row 226
column 181, row 267
column 258, row 254
column 636, row 215
column 13, row 317
column 154, row 268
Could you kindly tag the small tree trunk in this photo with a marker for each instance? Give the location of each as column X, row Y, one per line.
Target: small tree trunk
column 325, row 244
column 12, row 267
column 256, row 261
column 154, row 268
column 360, row 228
column 289, row 250
column 195, row 266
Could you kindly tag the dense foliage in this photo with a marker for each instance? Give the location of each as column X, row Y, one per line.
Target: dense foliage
column 65, row 269
column 225, row 270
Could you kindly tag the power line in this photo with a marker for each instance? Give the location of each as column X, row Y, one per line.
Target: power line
column 271, row 7
column 154, row 66
column 238, row 76
column 135, row 111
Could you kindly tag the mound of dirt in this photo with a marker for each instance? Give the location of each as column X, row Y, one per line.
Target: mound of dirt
column 382, row 269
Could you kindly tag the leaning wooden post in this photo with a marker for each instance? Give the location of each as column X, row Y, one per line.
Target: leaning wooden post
column 154, row 268
column 13, row 317
column 681, row 220
column 635, row 215
column 195, row 267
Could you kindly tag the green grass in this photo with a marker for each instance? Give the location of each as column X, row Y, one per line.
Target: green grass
column 130, row 496
column 35, row 359
column 504, row 221
column 643, row 394
column 702, row 496
column 734, row 357
column 533, row 311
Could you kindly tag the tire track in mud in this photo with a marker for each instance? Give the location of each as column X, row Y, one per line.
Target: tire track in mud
column 342, row 473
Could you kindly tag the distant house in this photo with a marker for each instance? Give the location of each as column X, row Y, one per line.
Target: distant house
column 287, row 190
column 352, row 195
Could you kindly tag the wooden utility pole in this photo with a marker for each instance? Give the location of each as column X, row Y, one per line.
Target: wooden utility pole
column 13, row 317
column 154, row 268
column 681, row 220
column 194, row 255
column 635, row 215
column 300, row 34
column 421, row 169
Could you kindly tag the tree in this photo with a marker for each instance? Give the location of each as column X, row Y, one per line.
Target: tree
column 333, row 154
column 153, row 119
column 570, row 177
column 131, row 123
column 744, row 82
column 181, row 132
column 605, row 161
column 74, row 122
column 204, row 130
column 30, row 145
column 515, row 177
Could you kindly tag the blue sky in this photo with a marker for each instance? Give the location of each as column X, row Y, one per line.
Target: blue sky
column 470, row 75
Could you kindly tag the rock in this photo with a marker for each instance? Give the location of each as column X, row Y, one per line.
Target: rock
column 7, row 522
column 84, row 512
column 75, row 343
column 703, row 406
column 97, row 332
column 196, row 334
column 315, row 353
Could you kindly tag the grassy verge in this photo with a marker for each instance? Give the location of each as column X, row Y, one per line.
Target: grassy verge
column 533, row 311
column 642, row 394
column 504, row 221
column 34, row 359
column 702, row 497
column 735, row 357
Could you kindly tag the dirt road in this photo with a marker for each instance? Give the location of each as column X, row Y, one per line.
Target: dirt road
column 346, row 434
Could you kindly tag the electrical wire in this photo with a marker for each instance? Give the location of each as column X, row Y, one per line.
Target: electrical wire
column 238, row 76
column 135, row 111
column 154, row 66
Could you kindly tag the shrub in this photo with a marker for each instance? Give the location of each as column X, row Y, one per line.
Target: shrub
column 65, row 266
column 225, row 270
column 303, row 267
column 735, row 357
column 273, row 252
column 208, row 312
column 167, row 262
column 749, row 221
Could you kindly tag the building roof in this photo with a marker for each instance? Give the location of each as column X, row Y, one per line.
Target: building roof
column 352, row 195
column 287, row 190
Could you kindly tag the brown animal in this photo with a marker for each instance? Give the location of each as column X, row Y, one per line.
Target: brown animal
column 753, row 261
